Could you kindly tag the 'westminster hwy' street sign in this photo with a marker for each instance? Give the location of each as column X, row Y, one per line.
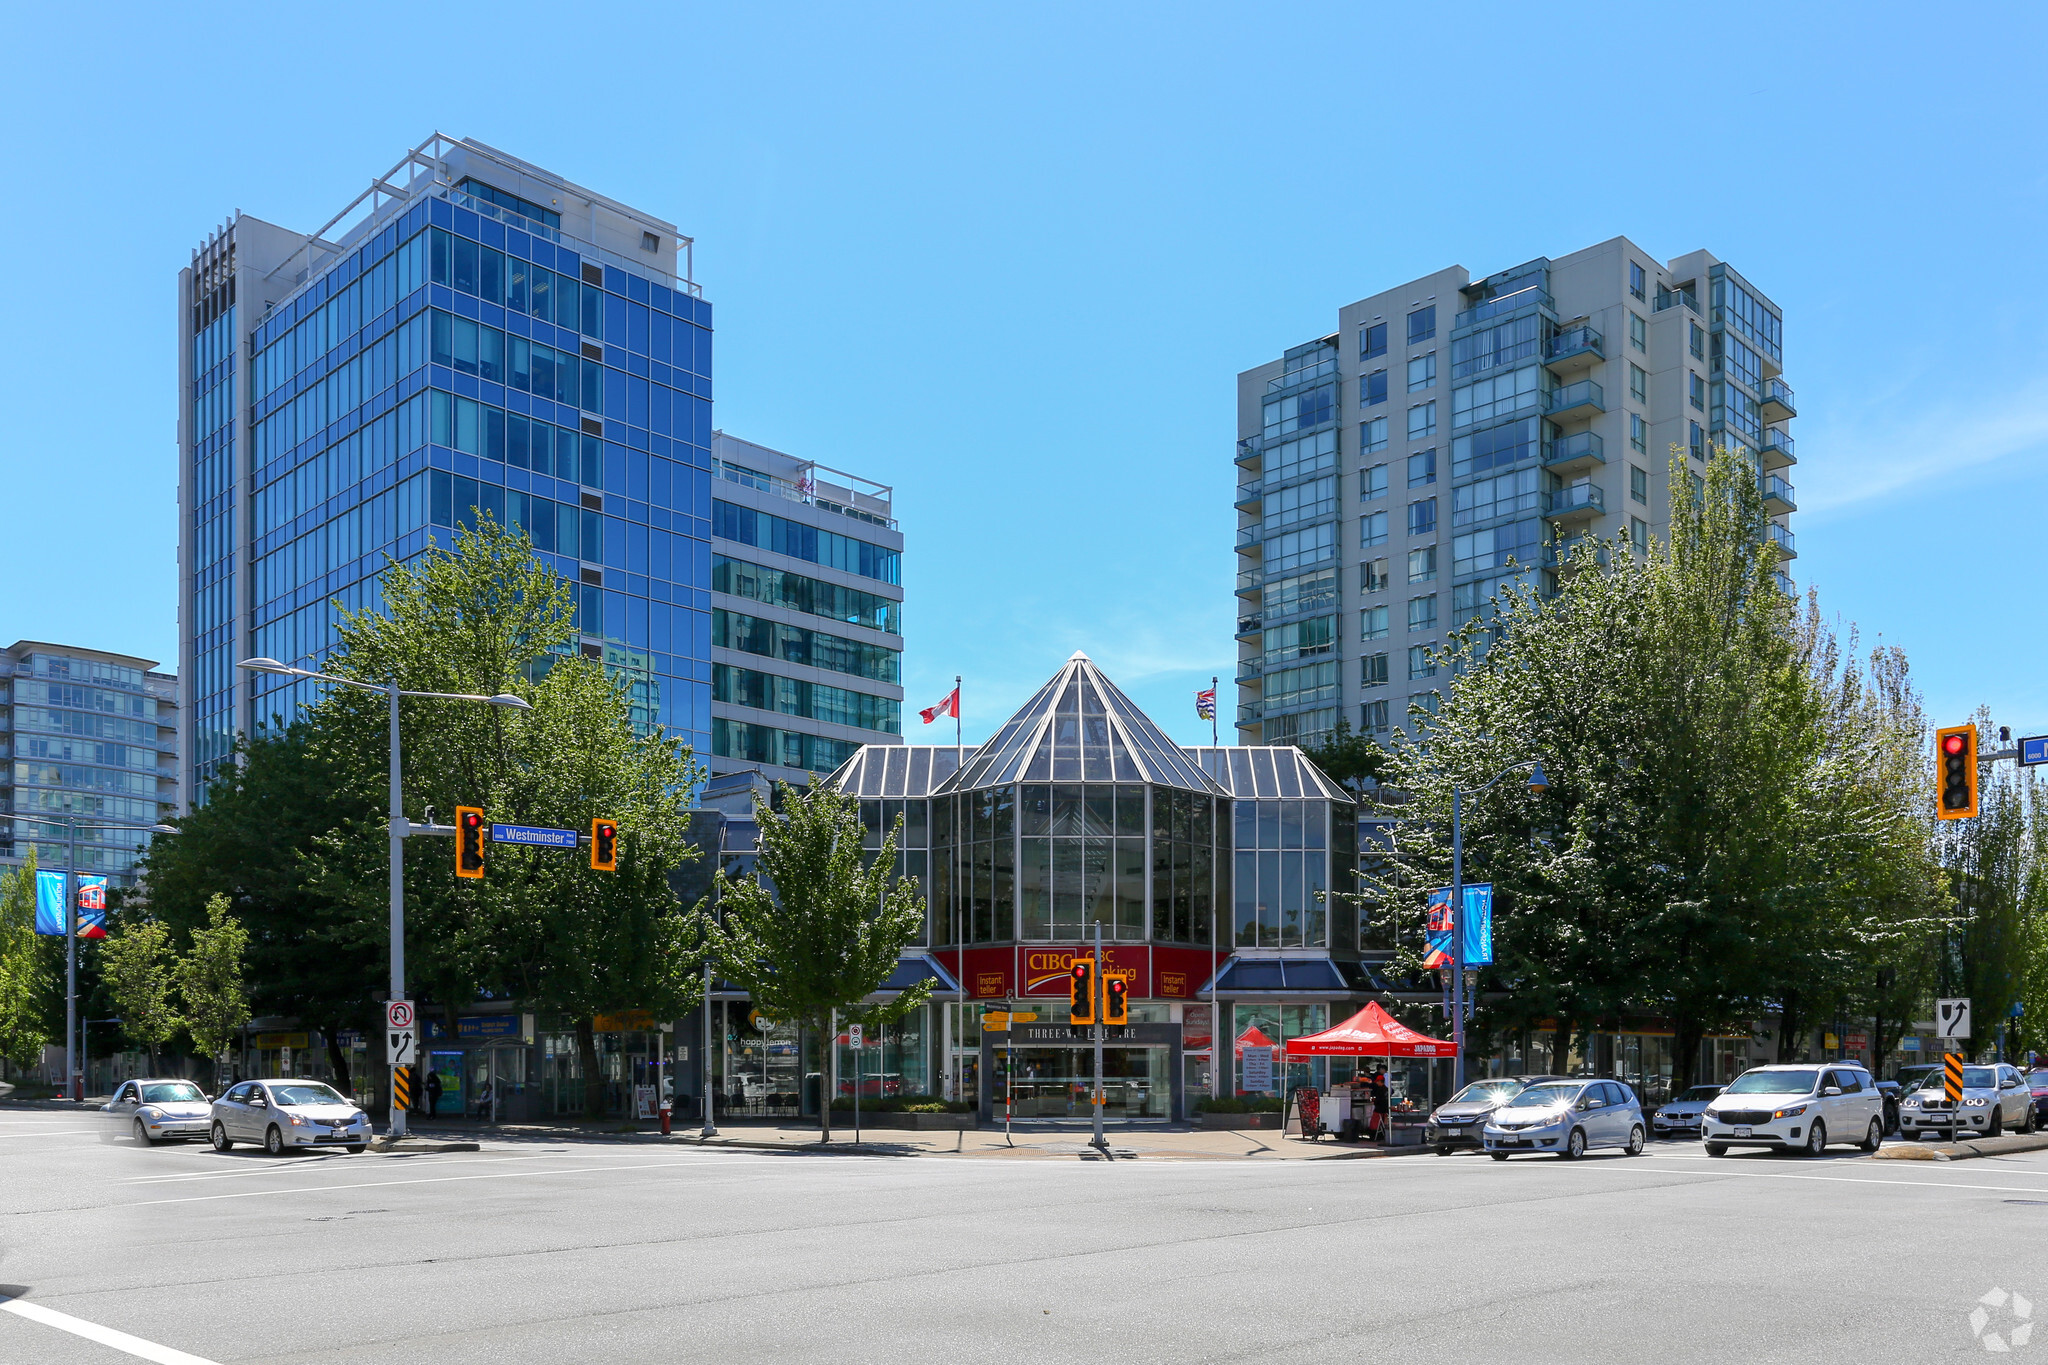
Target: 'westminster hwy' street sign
column 538, row 836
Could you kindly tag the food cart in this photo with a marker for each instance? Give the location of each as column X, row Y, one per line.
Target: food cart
column 1371, row 1032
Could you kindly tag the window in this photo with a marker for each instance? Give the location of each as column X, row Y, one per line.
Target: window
column 1299, row 549
column 1299, row 411
column 1696, row 390
column 1425, row 702
column 1422, row 613
column 1372, row 389
column 1422, row 564
column 1300, row 502
column 1500, row 347
column 1481, row 551
column 1639, row 484
column 1421, row 468
column 1635, row 280
column 1638, row 332
column 1422, row 517
column 1372, row 717
column 1638, row 383
column 1421, row 372
column 1372, row 671
column 1301, row 639
column 1638, row 433
column 1494, row 447
column 1373, row 575
column 1639, row 534
column 1308, row 592
column 1372, row 623
column 1372, row 530
column 1372, row 436
column 1421, row 662
column 1422, row 324
column 1502, row 495
column 1698, row 340
column 1506, row 394
column 1372, row 483
column 1422, row 420
column 1372, row 341
column 1303, row 455
column 1696, row 440
column 649, row 242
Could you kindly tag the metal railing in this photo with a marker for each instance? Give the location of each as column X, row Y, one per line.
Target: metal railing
column 1784, row 539
column 1581, row 394
column 1775, row 487
column 795, row 492
column 1672, row 298
column 1775, row 439
column 1575, row 341
column 1779, row 392
column 1580, row 445
column 1578, row 497
column 1506, row 303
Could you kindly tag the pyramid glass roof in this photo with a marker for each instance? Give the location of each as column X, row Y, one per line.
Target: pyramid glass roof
column 1080, row 727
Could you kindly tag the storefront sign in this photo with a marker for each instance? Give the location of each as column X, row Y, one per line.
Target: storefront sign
column 1155, row 971
column 1173, row 985
column 490, row 1026
column 1909, row 1044
column 1856, row 1042
column 1830, row 1041
column 271, row 1040
column 991, row 985
column 632, row 1021
column 1258, row 1068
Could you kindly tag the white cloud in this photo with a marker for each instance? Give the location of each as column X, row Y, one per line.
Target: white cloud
column 1868, row 461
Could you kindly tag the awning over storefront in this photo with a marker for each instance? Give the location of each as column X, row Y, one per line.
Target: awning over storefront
column 1371, row 1032
column 1277, row 976
column 920, row 967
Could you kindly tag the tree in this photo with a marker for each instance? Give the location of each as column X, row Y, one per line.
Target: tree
column 1351, row 759
column 210, row 986
column 24, row 982
column 812, row 933
column 138, row 971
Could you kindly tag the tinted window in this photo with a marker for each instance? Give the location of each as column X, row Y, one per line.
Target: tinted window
column 1619, row 1094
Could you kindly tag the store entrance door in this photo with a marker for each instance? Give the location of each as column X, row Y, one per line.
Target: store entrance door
column 1049, row 1072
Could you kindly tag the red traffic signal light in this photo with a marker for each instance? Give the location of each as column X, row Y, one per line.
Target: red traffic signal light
column 1081, row 1000
column 469, row 841
column 1116, row 1001
column 604, row 845
column 1955, row 766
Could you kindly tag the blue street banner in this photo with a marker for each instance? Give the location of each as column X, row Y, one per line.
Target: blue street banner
column 92, row 905
column 538, row 836
column 1478, row 926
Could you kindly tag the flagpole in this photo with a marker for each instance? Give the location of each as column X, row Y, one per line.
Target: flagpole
column 1215, row 735
column 956, row 713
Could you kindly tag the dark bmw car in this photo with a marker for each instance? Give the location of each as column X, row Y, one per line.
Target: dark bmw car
column 1458, row 1121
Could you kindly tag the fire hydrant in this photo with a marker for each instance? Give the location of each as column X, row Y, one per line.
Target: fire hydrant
column 664, row 1117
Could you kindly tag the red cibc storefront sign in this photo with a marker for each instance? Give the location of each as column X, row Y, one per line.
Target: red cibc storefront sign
column 1162, row 971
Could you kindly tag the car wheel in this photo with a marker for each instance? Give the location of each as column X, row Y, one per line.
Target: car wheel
column 142, row 1135
column 1443, row 1149
column 1874, row 1139
column 1997, row 1124
column 221, row 1141
column 273, row 1141
column 1575, row 1145
column 1635, row 1140
column 2027, row 1124
column 1498, row 1156
column 1717, row 1149
column 1816, row 1138
column 355, row 1149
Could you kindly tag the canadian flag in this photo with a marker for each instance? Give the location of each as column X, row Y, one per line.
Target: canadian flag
column 949, row 705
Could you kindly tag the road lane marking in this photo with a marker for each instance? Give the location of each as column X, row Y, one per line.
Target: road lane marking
column 1635, row 1166
column 422, row 1180
column 52, row 1132
column 319, row 1161
column 105, row 1336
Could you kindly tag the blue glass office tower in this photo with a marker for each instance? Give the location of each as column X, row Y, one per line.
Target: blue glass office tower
column 482, row 336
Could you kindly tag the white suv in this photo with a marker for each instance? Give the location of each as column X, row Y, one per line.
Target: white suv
column 1797, row 1108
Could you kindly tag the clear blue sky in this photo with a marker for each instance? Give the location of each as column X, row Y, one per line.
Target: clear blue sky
column 1010, row 262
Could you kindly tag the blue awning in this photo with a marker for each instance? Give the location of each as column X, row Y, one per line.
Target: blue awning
column 1282, row 976
column 920, row 967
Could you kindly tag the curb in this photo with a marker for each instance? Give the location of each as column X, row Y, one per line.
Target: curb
column 408, row 1147
column 1963, row 1151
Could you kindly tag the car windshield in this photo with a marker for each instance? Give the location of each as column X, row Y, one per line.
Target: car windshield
column 1486, row 1092
column 172, row 1092
column 1772, row 1083
column 303, row 1093
column 1546, row 1096
column 1699, row 1093
column 1974, row 1078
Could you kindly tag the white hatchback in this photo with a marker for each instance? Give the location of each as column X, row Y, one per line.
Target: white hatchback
column 1796, row 1108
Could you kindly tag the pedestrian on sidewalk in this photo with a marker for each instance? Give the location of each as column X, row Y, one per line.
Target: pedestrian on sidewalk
column 433, row 1091
column 483, row 1101
column 1376, row 1124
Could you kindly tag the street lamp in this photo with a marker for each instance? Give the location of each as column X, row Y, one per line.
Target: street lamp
column 399, row 828
column 74, row 1079
column 1538, row 784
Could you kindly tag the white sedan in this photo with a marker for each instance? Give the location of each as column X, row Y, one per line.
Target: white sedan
column 153, row 1111
column 281, row 1115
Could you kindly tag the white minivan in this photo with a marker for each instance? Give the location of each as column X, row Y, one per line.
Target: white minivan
column 1797, row 1108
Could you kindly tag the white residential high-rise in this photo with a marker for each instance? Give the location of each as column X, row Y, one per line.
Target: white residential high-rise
column 1391, row 470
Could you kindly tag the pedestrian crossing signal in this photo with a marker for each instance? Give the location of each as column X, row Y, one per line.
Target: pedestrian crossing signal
column 1081, row 998
column 604, row 845
column 469, row 841
column 1955, row 761
column 1116, row 1002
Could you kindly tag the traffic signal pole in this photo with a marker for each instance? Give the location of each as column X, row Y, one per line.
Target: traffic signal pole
column 1098, row 1140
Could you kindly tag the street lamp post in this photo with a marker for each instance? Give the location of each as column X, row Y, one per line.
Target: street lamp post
column 74, row 1078
column 399, row 828
column 1537, row 783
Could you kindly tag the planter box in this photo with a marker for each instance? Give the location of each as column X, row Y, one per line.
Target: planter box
column 1236, row 1121
column 842, row 1120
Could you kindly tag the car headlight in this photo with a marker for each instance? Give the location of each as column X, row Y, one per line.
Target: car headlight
column 1976, row 1104
column 1910, row 1102
column 1791, row 1112
column 151, row 1113
column 295, row 1120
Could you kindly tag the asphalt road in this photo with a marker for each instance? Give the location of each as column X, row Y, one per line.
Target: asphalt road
column 623, row 1253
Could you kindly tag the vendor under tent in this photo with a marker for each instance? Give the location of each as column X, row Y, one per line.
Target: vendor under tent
column 1371, row 1032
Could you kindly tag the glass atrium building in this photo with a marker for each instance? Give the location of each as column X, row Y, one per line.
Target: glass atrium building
column 471, row 335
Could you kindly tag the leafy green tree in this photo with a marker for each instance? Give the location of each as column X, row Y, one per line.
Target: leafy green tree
column 25, row 984
column 211, row 990
column 137, row 967
column 812, row 932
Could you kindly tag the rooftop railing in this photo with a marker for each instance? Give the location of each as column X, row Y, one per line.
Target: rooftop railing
column 1506, row 303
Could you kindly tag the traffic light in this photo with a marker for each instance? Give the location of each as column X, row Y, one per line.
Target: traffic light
column 469, row 841
column 1955, row 756
column 604, row 845
column 1081, row 982
column 1116, row 1001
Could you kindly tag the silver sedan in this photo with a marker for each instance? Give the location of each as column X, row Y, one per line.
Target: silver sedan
column 281, row 1115
column 152, row 1111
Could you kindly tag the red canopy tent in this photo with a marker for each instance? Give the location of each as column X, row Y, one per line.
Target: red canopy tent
column 1371, row 1032
column 1252, row 1037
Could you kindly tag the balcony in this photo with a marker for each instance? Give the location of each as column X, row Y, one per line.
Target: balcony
column 1778, row 495
column 1786, row 542
column 1560, row 554
column 1778, row 401
column 1577, row 453
column 1502, row 306
column 1249, row 494
column 1573, row 350
column 1675, row 298
column 1785, row 584
column 1248, row 626
column 1579, row 502
column 1582, row 399
column 1251, row 450
column 1251, row 583
column 1249, row 671
column 1251, row 539
column 1777, row 451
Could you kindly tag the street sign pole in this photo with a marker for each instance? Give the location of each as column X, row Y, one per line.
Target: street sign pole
column 397, row 1125
column 1098, row 1140
column 855, row 1036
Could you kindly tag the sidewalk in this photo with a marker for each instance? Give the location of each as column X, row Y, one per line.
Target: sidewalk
column 1030, row 1143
